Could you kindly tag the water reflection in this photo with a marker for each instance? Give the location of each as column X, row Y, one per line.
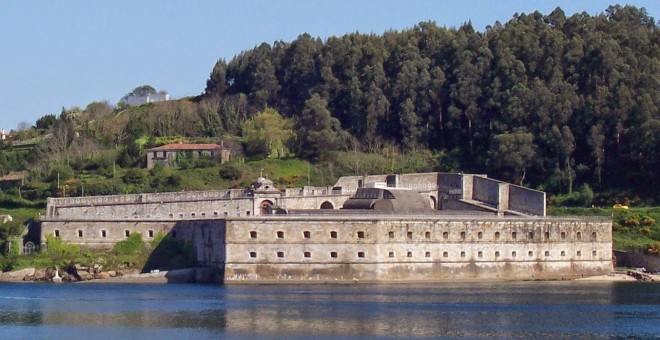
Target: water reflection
column 524, row 309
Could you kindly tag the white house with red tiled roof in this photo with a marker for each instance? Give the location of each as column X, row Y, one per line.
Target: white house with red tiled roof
column 166, row 154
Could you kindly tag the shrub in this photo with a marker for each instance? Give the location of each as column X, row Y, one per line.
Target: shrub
column 204, row 162
column 647, row 221
column 631, row 221
column 57, row 248
column 133, row 245
column 230, row 171
column 133, row 176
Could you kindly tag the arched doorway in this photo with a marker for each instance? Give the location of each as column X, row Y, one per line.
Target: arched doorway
column 434, row 203
column 266, row 207
column 327, row 205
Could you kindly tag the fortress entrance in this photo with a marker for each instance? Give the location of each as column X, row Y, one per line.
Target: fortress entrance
column 327, row 205
column 434, row 203
column 266, row 207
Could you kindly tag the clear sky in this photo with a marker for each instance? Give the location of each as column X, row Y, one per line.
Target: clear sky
column 56, row 54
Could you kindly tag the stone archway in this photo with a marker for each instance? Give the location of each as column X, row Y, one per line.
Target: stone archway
column 433, row 201
column 327, row 205
column 266, row 207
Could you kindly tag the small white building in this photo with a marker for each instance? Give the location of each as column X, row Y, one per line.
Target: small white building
column 150, row 98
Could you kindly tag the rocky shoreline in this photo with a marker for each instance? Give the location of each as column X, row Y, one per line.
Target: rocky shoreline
column 95, row 274
column 76, row 273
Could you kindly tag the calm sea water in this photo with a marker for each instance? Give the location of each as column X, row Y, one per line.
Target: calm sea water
column 504, row 310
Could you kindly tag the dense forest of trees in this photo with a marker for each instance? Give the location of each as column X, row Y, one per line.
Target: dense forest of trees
column 546, row 100
column 549, row 101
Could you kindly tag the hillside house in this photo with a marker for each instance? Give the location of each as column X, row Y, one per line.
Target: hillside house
column 167, row 154
column 149, row 98
column 4, row 135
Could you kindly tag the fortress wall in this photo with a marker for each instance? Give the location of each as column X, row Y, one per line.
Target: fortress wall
column 451, row 183
column 526, row 200
column 372, row 248
column 177, row 209
column 420, row 181
column 416, row 249
column 485, row 190
column 190, row 209
column 206, row 236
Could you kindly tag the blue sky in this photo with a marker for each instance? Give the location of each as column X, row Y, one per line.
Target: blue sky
column 56, row 54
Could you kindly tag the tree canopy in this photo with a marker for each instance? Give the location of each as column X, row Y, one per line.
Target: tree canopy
column 584, row 89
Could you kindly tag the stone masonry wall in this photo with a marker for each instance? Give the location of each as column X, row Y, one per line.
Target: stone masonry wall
column 374, row 248
column 526, row 200
column 486, row 190
column 388, row 249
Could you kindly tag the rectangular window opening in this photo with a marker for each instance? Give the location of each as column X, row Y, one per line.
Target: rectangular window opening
column 427, row 254
column 104, row 233
column 462, row 235
column 409, row 234
column 514, row 235
column 80, row 233
column 307, row 254
column 333, row 234
column 445, row 235
column 151, row 233
column 280, row 234
column 253, row 254
column 480, row 254
column 445, row 254
column 390, row 254
column 480, row 235
column 253, row 234
column 462, row 254
column 497, row 254
column 127, row 233
column 333, row 254
column 307, row 234
column 390, row 234
column 280, row 254
column 427, row 235
column 409, row 254
column 547, row 253
column 360, row 254
column 360, row 234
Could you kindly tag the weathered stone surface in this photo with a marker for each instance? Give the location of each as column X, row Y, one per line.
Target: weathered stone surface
column 103, row 275
column 84, row 276
column 112, row 273
column 40, row 274
column 17, row 275
column 126, row 272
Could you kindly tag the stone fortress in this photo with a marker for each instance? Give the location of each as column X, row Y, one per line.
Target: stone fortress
column 381, row 228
